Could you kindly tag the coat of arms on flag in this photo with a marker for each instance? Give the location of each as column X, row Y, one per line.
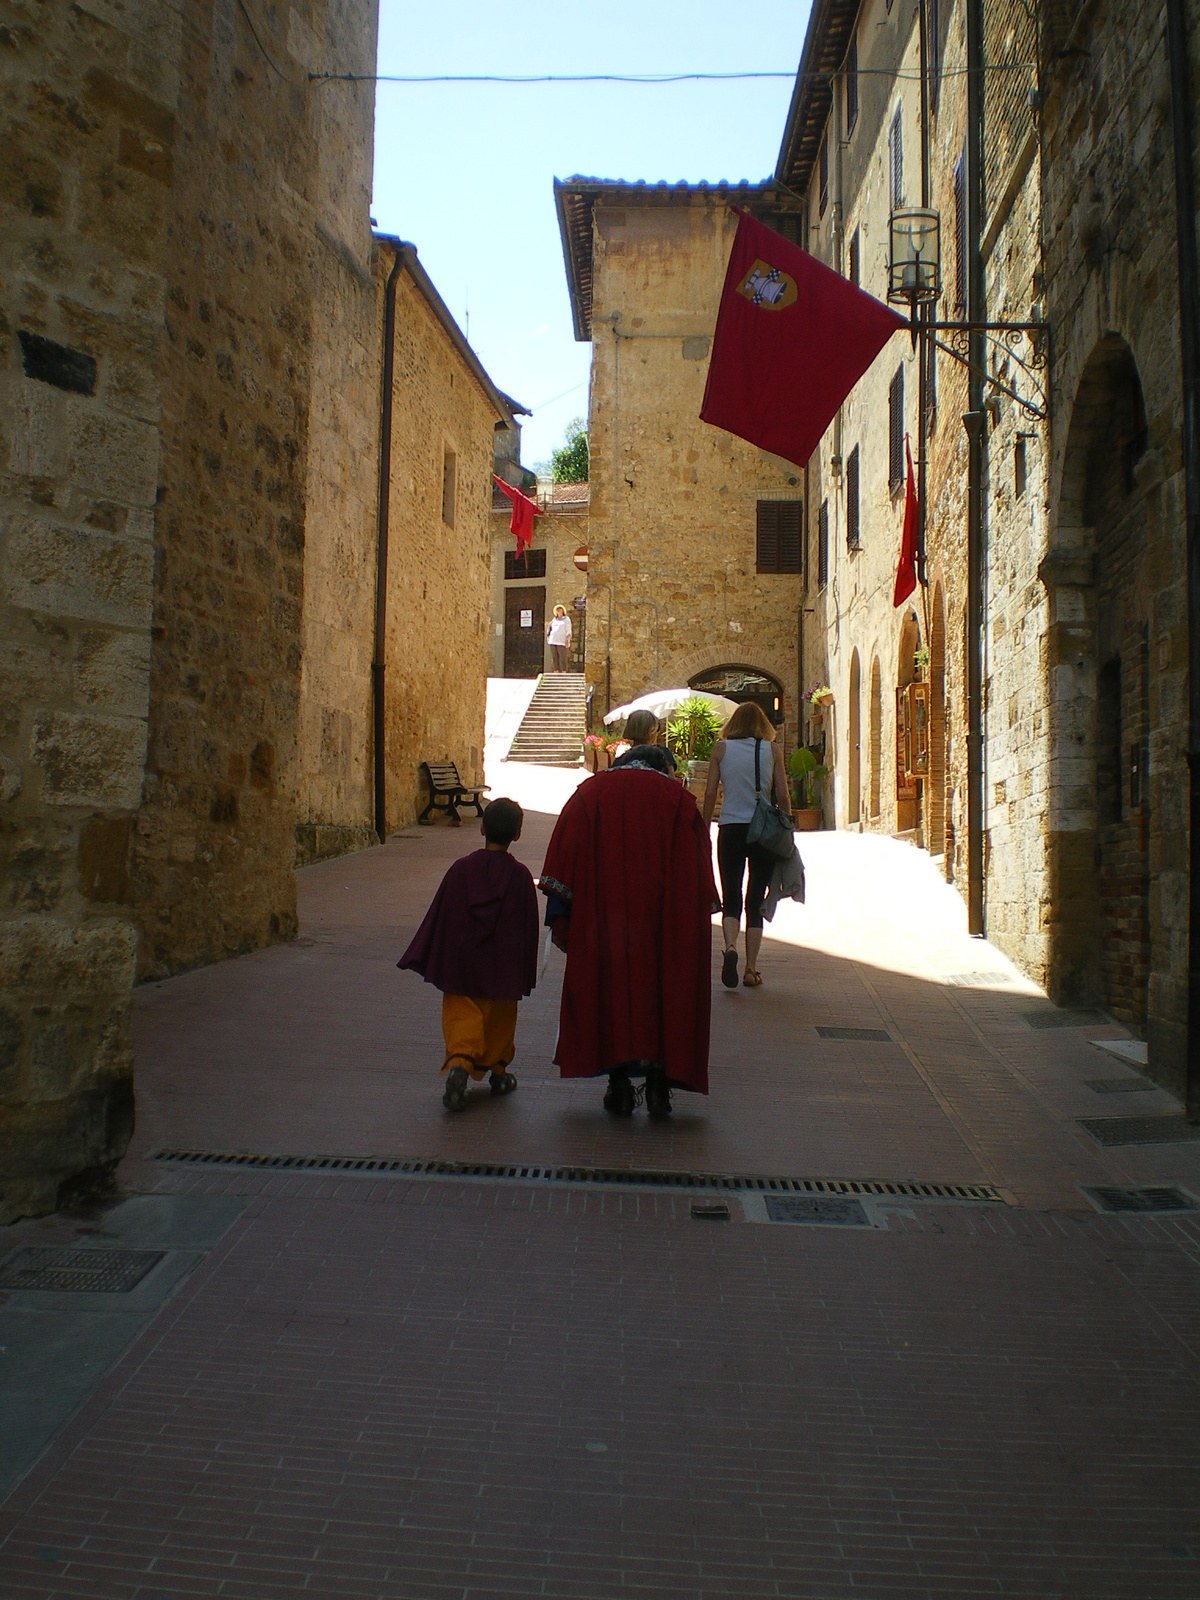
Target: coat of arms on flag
column 765, row 285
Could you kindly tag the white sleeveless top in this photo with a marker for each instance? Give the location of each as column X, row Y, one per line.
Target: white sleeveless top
column 738, row 793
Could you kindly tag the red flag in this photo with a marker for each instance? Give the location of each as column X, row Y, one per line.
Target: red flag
column 792, row 340
column 523, row 509
column 906, row 570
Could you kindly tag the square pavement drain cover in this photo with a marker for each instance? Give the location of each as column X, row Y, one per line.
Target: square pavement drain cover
column 1054, row 1018
column 1121, row 1086
column 835, row 1213
column 867, row 1035
column 1142, row 1199
column 1139, row 1130
column 87, row 1271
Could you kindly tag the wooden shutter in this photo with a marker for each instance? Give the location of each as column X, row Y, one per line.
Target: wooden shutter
column 852, row 528
column 778, row 537
column 823, row 546
column 791, row 517
column 960, row 234
column 896, row 162
column 896, row 431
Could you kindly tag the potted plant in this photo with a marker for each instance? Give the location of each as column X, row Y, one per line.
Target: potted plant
column 593, row 744
column 820, row 695
column 806, row 773
column 692, row 730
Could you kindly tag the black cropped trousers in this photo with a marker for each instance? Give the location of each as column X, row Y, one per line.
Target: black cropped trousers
column 733, row 854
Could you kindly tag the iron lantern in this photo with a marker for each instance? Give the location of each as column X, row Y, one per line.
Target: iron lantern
column 914, row 267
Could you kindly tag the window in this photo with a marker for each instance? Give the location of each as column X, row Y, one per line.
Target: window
column 852, row 529
column 896, row 431
column 449, row 473
column 855, row 268
column 933, row 54
column 1019, row 468
column 960, row 235
column 778, row 535
column 823, row 176
column 895, row 163
column 930, row 383
column 823, row 546
column 852, row 86
column 529, row 564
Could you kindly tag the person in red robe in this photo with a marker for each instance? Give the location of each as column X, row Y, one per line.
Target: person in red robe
column 478, row 944
column 630, row 895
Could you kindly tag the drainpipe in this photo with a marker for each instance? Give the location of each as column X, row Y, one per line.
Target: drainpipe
column 923, row 337
column 975, row 421
column 381, row 557
column 1189, row 330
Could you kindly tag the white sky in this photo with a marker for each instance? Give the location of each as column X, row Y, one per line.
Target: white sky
column 464, row 171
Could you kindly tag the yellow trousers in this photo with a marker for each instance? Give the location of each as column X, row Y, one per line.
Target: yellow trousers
column 479, row 1034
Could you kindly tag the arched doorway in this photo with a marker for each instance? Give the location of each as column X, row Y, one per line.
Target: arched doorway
column 876, row 738
column 935, row 820
column 1100, row 699
column 741, row 683
column 853, row 777
column 908, row 794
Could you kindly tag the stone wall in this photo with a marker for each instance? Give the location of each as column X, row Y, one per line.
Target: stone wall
column 89, row 134
column 438, row 576
column 559, row 534
column 259, row 244
column 672, row 580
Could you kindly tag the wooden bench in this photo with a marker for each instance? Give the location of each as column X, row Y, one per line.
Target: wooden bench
column 448, row 790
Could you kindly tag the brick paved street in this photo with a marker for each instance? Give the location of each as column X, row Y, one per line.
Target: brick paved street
column 398, row 1387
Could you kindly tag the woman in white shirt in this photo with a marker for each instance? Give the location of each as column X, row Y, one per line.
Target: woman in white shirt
column 732, row 764
column 558, row 636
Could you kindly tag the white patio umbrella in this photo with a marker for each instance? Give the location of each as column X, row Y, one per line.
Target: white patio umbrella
column 663, row 701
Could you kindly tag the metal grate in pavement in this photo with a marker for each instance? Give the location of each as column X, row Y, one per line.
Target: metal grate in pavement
column 1160, row 1199
column 84, row 1271
column 1121, row 1086
column 838, row 1213
column 1139, row 1130
column 617, row 1177
column 867, row 1035
column 1053, row 1017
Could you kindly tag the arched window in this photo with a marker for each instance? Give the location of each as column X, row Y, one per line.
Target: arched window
column 740, row 683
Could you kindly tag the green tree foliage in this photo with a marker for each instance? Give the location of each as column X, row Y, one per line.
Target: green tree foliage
column 569, row 463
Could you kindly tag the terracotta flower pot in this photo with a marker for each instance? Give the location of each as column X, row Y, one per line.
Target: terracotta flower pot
column 807, row 818
column 589, row 757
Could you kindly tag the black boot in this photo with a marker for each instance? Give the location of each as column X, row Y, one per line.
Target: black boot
column 619, row 1098
column 658, row 1093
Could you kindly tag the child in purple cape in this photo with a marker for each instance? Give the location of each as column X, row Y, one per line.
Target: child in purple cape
column 478, row 944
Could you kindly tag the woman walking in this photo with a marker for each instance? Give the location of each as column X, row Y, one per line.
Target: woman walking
column 746, row 762
column 558, row 637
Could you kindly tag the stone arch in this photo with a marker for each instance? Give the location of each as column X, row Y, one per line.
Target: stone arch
column 1099, row 817
column 853, row 741
column 876, row 740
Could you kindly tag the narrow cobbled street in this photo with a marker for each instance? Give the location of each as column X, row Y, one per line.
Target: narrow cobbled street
column 952, row 1374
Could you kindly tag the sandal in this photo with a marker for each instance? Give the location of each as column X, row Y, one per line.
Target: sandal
column 455, row 1097
column 751, row 978
column 729, row 969
column 502, row 1082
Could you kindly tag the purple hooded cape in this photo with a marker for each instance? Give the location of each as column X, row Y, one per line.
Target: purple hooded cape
column 480, row 935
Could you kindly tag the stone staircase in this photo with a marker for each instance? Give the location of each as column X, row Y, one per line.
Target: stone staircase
column 552, row 730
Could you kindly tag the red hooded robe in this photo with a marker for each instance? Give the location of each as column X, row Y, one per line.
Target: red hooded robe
column 632, row 857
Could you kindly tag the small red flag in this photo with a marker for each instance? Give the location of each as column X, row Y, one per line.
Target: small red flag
column 906, row 570
column 792, row 340
column 523, row 509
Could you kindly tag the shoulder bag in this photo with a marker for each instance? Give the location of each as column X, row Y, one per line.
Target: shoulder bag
column 771, row 827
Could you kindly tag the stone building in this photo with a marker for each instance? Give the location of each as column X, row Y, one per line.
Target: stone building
column 693, row 536
column 191, row 316
column 551, row 572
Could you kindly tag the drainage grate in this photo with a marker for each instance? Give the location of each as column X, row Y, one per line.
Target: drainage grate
column 1139, row 1130
column 1064, row 1019
column 838, row 1213
column 1109, row 1199
column 1121, row 1086
column 619, row 1177
column 84, row 1271
column 711, row 1210
column 868, row 1035
column 976, row 980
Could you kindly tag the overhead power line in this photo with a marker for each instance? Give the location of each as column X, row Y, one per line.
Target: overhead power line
column 649, row 78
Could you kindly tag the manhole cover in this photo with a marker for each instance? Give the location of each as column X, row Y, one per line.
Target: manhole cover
column 1110, row 1199
column 1063, row 1019
column 867, row 1035
column 87, row 1271
column 1121, row 1086
column 836, row 1213
column 1139, row 1130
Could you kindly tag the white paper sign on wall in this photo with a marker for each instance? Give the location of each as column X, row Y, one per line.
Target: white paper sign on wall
column 527, row 619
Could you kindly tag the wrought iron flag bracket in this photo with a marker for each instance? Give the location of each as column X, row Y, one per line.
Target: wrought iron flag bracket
column 1012, row 338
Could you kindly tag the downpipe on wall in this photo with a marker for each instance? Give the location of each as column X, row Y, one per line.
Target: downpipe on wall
column 975, row 422
column 379, row 657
